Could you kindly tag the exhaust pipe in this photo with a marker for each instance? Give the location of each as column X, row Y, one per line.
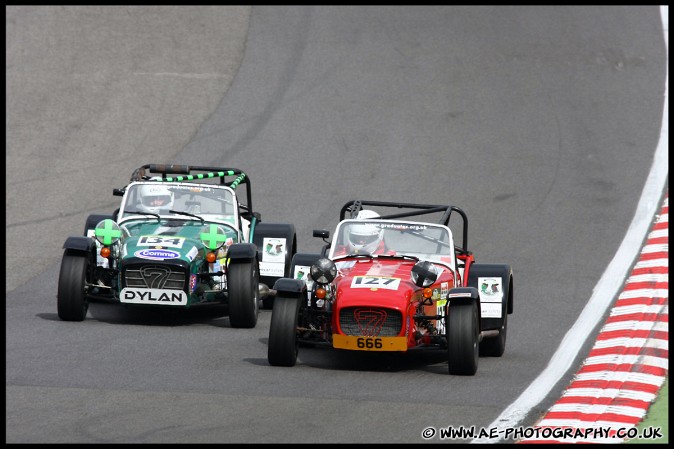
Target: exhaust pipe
column 265, row 291
column 489, row 334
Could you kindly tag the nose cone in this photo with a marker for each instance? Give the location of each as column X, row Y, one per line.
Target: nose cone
column 376, row 283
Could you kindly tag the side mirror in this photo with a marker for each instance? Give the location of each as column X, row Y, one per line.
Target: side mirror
column 321, row 233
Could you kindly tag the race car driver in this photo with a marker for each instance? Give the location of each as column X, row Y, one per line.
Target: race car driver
column 366, row 238
column 155, row 198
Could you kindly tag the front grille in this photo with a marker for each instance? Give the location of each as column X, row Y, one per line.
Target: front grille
column 155, row 276
column 370, row 321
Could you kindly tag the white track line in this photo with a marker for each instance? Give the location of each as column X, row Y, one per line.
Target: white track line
column 607, row 287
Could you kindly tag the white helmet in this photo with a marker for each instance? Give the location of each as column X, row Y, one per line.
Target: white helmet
column 156, row 197
column 364, row 238
column 365, row 213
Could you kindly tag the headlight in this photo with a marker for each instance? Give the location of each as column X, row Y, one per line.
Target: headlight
column 424, row 274
column 107, row 232
column 323, row 271
column 213, row 236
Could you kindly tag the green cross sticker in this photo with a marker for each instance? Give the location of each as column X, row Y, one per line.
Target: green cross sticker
column 107, row 232
column 213, row 236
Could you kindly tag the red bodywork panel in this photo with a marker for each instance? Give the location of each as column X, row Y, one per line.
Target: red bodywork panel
column 372, row 287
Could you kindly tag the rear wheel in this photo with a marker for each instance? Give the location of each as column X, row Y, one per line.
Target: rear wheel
column 243, row 291
column 94, row 219
column 268, row 302
column 71, row 299
column 462, row 338
column 495, row 347
column 283, row 345
column 265, row 237
column 501, row 277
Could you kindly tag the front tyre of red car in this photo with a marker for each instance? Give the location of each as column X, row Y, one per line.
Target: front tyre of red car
column 283, row 345
column 71, row 299
column 462, row 338
column 243, row 291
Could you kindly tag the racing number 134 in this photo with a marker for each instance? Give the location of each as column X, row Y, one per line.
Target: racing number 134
column 369, row 343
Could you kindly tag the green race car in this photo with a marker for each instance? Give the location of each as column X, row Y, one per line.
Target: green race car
column 183, row 236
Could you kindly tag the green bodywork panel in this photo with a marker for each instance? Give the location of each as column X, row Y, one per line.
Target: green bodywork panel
column 147, row 240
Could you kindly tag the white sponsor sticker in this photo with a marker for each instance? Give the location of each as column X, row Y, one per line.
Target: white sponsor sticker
column 490, row 288
column 156, row 254
column 460, row 295
column 271, row 269
column 161, row 240
column 302, row 272
column 161, row 297
column 345, row 265
column 440, row 310
column 388, row 283
column 192, row 253
column 491, row 296
column 273, row 257
column 100, row 260
column 490, row 310
column 274, row 250
column 219, row 265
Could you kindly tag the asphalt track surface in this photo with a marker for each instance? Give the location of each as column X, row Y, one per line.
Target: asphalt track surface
column 540, row 122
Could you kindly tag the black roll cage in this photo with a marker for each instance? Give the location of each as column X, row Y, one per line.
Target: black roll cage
column 229, row 177
column 354, row 206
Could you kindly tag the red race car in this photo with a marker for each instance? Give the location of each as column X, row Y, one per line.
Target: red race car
column 386, row 283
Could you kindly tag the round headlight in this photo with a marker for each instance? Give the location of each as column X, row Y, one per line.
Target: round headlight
column 213, row 236
column 424, row 274
column 107, row 232
column 323, row 271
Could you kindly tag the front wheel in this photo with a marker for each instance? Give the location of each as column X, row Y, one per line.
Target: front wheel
column 462, row 338
column 243, row 280
column 71, row 300
column 283, row 344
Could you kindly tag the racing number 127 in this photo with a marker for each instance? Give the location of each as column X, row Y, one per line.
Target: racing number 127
column 369, row 343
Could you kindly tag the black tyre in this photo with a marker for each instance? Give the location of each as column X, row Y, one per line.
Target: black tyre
column 462, row 338
column 94, row 219
column 243, row 291
column 276, row 231
column 495, row 347
column 71, row 299
column 299, row 259
column 268, row 302
column 283, row 344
